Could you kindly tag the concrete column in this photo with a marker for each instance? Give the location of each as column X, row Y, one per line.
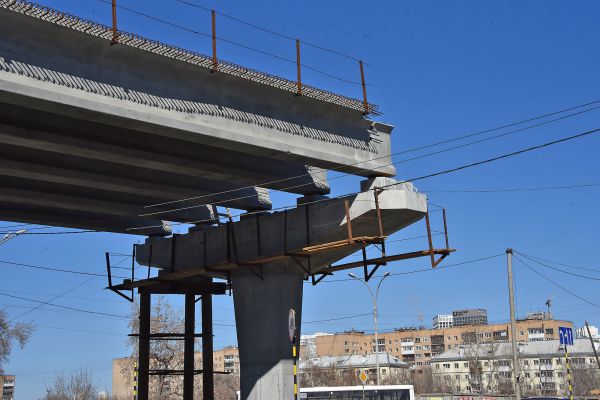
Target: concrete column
column 261, row 313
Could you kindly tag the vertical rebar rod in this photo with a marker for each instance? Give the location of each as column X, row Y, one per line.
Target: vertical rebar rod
column 144, row 347
column 115, row 34
column 298, row 67
column 364, row 88
column 188, row 351
column 214, row 41
column 430, row 239
column 445, row 228
column 348, row 222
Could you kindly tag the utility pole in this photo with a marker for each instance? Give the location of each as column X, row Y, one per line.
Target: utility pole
column 513, row 324
column 587, row 326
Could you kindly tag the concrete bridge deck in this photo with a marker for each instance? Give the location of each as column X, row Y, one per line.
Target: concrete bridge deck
column 148, row 123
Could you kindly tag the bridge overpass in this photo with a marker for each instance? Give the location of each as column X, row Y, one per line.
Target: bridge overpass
column 92, row 133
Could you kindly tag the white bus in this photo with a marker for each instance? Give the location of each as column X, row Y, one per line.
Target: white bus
column 382, row 392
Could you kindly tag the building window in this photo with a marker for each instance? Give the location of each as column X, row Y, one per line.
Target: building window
column 527, row 375
column 446, row 366
column 549, row 331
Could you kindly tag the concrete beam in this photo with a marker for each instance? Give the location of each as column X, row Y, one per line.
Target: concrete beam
column 273, row 235
column 86, row 221
column 82, row 76
column 124, row 188
column 186, row 161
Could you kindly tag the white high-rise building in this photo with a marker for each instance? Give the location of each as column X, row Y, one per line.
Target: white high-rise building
column 582, row 332
column 442, row 321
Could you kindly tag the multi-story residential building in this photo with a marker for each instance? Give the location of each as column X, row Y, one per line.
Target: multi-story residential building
column 442, row 321
column 308, row 344
column 583, row 333
column 418, row 346
column 7, row 384
column 472, row 316
column 488, row 368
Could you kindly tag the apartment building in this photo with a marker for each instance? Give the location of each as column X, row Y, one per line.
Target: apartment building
column 442, row 321
column 418, row 346
column 471, row 316
column 487, row 367
column 7, row 385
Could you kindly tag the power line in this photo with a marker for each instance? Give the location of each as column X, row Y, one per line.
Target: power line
column 533, row 189
column 193, row 31
column 556, row 284
column 43, row 303
column 281, row 35
column 477, row 133
column 70, row 271
column 507, row 155
column 564, row 265
column 435, row 174
column 560, row 270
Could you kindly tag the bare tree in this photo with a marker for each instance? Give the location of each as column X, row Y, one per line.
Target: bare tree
column 422, row 381
column 226, row 386
column 164, row 354
column 11, row 333
column 77, row 386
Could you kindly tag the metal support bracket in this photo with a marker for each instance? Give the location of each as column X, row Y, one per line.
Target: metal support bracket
column 109, row 274
column 320, row 278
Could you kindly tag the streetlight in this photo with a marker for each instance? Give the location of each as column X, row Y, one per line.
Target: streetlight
column 374, row 297
column 12, row 235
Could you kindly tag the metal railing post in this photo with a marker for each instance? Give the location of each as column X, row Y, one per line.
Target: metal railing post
column 215, row 66
column 298, row 66
column 115, row 35
column 364, row 88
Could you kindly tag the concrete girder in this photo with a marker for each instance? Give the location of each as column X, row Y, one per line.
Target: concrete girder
column 283, row 232
column 31, row 194
column 82, row 76
column 203, row 167
column 86, row 221
column 123, row 188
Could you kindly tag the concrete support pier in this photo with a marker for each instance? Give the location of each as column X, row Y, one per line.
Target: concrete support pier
column 261, row 313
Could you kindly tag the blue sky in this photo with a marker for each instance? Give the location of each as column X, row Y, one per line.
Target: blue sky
column 438, row 69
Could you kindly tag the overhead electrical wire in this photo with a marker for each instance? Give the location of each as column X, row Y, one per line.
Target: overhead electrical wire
column 556, row 284
column 43, row 303
column 70, row 271
column 281, row 35
column 531, row 189
column 560, row 270
column 431, row 175
column 193, row 31
column 562, row 264
column 413, row 149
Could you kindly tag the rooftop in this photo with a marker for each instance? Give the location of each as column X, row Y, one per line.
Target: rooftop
column 354, row 361
column 526, row 349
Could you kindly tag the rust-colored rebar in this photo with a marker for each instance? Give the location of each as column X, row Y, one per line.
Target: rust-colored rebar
column 298, row 66
column 364, row 88
column 214, row 41
column 115, row 34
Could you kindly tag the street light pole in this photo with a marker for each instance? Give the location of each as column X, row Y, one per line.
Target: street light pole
column 374, row 298
column 12, row 235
